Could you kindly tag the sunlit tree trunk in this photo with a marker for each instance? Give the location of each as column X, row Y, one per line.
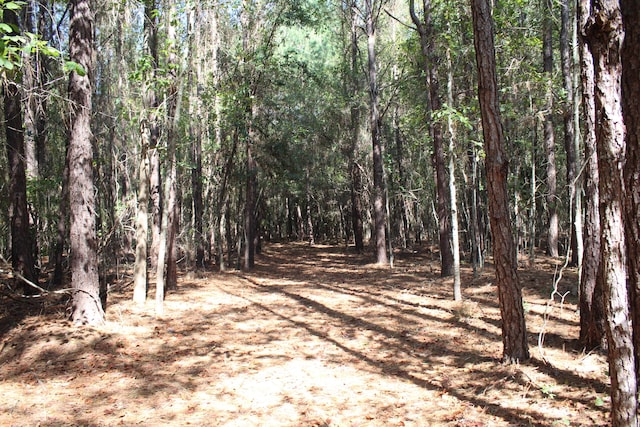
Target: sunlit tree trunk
column 514, row 332
column 354, row 167
column 86, row 307
column 605, row 35
column 434, row 103
column 22, row 260
column 148, row 138
column 569, row 124
column 631, row 110
column 549, row 137
column 591, row 299
column 455, row 241
column 379, row 203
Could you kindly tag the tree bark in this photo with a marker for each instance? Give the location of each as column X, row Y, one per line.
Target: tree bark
column 631, row 111
column 22, row 260
column 434, row 103
column 569, row 123
column 86, row 307
column 148, row 139
column 605, row 35
column 514, row 333
column 354, row 167
column 379, row 203
column 549, row 137
column 592, row 329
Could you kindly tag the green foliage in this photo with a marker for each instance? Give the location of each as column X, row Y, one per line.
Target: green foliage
column 13, row 43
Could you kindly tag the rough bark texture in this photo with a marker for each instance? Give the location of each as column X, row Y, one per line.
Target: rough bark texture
column 426, row 33
column 568, row 120
column 605, row 35
column 354, row 167
column 379, row 203
column 86, row 308
column 148, row 139
column 22, row 260
column 549, row 137
column 592, row 328
column 631, row 111
column 514, row 334
column 142, row 220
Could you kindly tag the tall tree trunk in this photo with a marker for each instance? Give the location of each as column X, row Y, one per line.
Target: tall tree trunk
column 455, row 243
column 434, row 103
column 605, row 35
column 568, row 120
column 250, row 206
column 514, row 332
column 195, row 133
column 549, row 138
column 155, row 187
column 310, row 230
column 142, row 219
column 631, row 110
column 22, row 260
column 86, row 307
column 354, row 167
column 379, row 203
column 148, row 139
column 173, row 100
column 592, row 329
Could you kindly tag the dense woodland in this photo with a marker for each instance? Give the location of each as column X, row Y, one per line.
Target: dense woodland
column 179, row 136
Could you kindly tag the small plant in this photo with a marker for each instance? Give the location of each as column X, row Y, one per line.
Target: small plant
column 547, row 391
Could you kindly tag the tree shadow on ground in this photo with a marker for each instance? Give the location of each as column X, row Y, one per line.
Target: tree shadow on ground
column 227, row 334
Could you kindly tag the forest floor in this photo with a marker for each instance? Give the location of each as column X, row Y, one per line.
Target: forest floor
column 313, row 336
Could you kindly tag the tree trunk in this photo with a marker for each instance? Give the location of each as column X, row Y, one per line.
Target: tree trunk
column 173, row 100
column 631, row 110
column 605, row 35
column 249, row 209
column 514, row 333
column 354, row 167
column 310, row 230
column 86, row 307
column 142, row 219
column 379, row 203
column 568, row 120
column 434, row 103
column 592, row 329
column 455, row 243
column 549, row 138
column 22, row 260
column 148, row 139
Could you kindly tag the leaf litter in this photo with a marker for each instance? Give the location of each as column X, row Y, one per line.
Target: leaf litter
column 313, row 336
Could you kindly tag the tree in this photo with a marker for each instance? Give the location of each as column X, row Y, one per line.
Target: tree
column 372, row 12
column 631, row 111
column 22, row 260
column 591, row 304
column 434, row 104
column 570, row 144
column 514, row 333
column 605, row 35
column 549, row 137
column 148, row 139
column 354, row 122
column 86, row 308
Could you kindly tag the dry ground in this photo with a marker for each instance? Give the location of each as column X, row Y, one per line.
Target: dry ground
column 314, row 336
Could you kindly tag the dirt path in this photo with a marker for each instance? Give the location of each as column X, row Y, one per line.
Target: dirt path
column 313, row 337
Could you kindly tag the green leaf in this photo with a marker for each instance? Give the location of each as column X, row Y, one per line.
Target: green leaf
column 70, row 66
column 5, row 28
column 12, row 5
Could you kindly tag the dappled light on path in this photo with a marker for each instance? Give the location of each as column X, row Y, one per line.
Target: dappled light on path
column 314, row 336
